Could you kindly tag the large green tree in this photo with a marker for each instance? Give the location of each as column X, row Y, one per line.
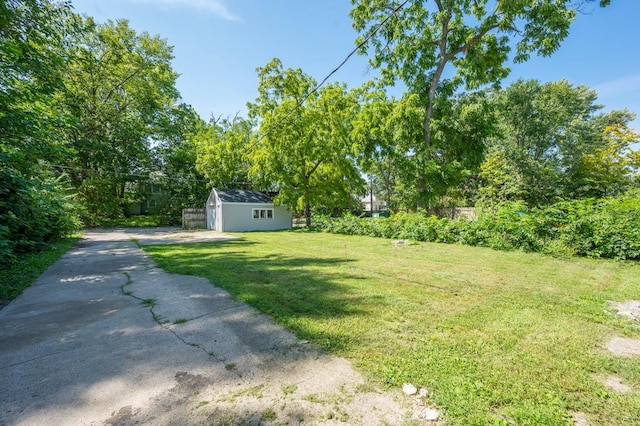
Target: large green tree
column 222, row 155
column 554, row 144
column 174, row 163
column 421, row 38
column 302, row 148
column 387, row 131
column 32, row 56
column 33, row 205
column 117, row 87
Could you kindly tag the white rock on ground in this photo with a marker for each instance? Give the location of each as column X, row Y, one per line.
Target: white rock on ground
column 431, row 414
column 409, row 389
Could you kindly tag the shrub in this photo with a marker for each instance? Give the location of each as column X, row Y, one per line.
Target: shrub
column 32, row 214
column 608, row 228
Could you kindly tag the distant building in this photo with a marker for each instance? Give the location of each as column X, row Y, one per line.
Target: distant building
column 377, row 204
column 150, row 201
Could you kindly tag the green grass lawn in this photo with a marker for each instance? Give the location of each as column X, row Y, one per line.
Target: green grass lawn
column 495, row 337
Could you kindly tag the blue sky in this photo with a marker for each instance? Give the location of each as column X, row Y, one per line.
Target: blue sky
column 218, row 44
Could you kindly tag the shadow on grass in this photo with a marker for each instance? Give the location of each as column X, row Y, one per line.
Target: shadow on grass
column 293, row 290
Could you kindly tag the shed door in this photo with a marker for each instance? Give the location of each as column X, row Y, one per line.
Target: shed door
column 211, row 218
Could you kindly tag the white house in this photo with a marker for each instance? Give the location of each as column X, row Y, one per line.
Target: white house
column 377, row 204
column 239, row 210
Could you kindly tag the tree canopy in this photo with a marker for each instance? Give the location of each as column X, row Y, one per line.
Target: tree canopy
column 222, row 152
column 90, row 119
column 555, row 144
column 33, row 207
column 115, row 88
column 302, row 148
column 420, row 38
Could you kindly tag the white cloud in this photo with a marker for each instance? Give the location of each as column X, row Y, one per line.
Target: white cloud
column 217, row 7
column 620, row 86
column 621, row 93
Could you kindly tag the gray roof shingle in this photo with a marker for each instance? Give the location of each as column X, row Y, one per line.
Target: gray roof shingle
column 242, row 196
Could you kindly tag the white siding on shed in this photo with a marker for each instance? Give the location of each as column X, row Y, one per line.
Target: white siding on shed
column 238, row 215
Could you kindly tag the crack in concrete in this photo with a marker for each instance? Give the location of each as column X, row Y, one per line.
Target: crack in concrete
column 31, row 360
column 157, row 318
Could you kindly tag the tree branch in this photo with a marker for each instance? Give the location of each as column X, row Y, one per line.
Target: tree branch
column 122, row 83
column 313, row 169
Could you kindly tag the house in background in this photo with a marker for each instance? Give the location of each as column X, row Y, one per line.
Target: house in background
column 148, row 201
column 370, row 203
column 240, row 210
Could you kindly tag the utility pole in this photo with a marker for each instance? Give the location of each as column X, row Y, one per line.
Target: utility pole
column 371, row 194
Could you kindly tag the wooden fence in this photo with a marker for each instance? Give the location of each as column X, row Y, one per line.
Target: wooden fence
column 194, row 218
column 454, row 212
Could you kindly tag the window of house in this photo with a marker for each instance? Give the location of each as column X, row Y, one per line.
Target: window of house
column 262, row 213
column 152, row 204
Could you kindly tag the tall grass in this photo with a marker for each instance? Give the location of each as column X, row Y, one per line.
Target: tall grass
column 18, row 274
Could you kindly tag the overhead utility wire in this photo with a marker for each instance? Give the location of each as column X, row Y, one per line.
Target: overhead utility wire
column 146, row 176
column 128, row 174
column 315, row 89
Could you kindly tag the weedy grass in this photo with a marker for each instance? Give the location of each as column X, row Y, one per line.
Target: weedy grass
column 149, row 303
column 496, row 337
column 138, row 221
column 25, row 269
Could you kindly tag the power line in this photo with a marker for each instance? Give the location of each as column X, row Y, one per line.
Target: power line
column 160, row 175
column 279, row 122
column 318, row 86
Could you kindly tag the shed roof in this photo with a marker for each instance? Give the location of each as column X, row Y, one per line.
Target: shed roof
column 242, row 196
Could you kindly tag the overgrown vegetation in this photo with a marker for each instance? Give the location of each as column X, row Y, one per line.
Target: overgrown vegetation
column 607, row 228
column 22, row 271
column 80, row 104
column 141, row 221
column 92, row 128
column 496, row 337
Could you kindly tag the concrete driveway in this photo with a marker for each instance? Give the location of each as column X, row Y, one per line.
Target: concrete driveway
column 106, row 337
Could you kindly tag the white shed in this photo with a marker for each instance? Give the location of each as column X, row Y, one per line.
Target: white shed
column 239, row 210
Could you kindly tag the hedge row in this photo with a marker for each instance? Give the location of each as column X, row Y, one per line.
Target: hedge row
column 32, row 214
column 607, row 228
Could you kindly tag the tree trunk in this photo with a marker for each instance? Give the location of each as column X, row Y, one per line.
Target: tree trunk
column 307, row 213
column 388, row 185
column 421, row 185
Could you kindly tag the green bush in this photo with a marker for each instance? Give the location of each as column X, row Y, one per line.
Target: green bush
column 32, row 214
column 608, row 228
column 509, row 226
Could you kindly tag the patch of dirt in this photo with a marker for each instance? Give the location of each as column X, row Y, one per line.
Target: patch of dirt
column 580, row 419
column 624, row 347
column 614, row 383
column 629, row 309
column 189, row 383
column 123, row 416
